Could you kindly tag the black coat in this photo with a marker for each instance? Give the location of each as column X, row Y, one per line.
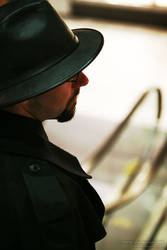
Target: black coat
column 46, row 201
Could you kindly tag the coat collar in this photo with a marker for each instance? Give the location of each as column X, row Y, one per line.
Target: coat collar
column 25, row 136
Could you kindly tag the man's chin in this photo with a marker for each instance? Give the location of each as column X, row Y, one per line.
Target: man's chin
column 66, row 115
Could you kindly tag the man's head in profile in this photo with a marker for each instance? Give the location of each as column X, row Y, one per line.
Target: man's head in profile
column 42, row 60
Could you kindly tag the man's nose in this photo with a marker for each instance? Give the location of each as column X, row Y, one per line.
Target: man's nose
column 81, row 81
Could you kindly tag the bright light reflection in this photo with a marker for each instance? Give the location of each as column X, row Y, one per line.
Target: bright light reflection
column 162, row 3
column 139, row 3
column 136, row 3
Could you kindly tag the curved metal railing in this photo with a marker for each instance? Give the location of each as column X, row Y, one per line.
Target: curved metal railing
column 147, row 166
column 97, row 156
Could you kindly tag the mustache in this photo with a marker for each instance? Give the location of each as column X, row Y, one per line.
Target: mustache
column 77, row 91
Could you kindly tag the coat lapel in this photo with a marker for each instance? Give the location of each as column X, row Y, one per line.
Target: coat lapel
column 44, row 150
column 27, row 137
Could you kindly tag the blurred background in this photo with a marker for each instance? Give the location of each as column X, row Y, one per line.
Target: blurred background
column 130, row 175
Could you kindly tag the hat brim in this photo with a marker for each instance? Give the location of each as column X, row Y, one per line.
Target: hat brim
column 90, row 44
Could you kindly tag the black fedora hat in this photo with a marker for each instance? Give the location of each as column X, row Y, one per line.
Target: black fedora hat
column 38, row 51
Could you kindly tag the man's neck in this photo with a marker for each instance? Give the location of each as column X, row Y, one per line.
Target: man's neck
column 19, row 109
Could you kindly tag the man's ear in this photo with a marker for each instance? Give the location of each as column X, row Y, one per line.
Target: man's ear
column 24, row 105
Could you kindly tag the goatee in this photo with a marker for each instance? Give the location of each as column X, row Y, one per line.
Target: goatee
column 66, row 115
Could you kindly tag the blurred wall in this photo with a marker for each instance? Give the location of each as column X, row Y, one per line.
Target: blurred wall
column 62, row 6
